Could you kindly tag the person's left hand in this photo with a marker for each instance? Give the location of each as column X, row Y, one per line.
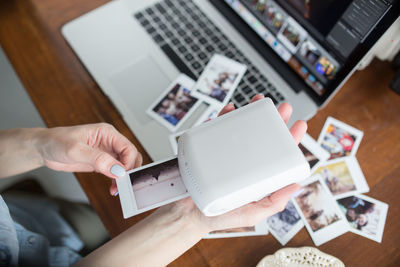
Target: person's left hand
column 86, row 148
column 252, row 213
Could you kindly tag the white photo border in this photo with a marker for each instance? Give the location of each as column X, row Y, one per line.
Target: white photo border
column 289, row 235
column 217, row 58
column 331, row 231
column 186, row 82
column 126, row 195
column 381, row 226
column 332, row 121
column 356, row 174
column 312, row 145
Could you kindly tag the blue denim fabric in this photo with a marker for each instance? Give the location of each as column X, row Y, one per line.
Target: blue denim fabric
column 33, row 233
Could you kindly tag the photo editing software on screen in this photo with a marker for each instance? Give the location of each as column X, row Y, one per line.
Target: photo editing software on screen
column 314, row 37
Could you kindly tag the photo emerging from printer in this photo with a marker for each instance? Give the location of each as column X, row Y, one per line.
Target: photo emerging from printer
column 157, row 183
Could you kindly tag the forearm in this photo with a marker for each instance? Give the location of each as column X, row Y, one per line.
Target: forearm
column 18, row 151
column 155, row 241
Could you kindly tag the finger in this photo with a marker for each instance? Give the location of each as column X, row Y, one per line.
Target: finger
column 99, row 160
column 113, row 188
column 139, row 160
column 285, row 110
column 256, row 97
column 277, row 201
column 228, row 108
column 126, row 151
column 298, row 130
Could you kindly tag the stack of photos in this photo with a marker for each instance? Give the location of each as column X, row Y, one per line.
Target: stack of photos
column 214, row 87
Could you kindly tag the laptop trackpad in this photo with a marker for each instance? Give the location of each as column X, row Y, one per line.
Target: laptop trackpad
column 139, row 85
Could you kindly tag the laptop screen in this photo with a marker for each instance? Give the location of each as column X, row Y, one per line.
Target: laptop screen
column 317, row 39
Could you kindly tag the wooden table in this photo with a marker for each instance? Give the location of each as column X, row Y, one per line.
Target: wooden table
column 65, row 94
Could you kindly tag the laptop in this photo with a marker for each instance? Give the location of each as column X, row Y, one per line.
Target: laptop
column 296, row 51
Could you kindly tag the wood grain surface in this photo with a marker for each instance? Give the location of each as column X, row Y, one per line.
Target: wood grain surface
column 65, row 94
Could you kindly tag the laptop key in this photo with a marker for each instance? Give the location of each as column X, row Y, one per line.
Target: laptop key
column 222, row 47
column 160, row 8
column 151, row 30
column 144, row 22
column 149, row 11
column 188, row 40
column 210, row 49
column 189, row 57
column 182, row 49
column 260, row 88
column 196, row 65
column 175, row 41
column 202, row 55
column 181, row 32
column 195, row 48
column 252, row 79
column 230, row 54
column 246, row 89
column 158, row 38
column 177, row 61
column 203, row 40
column 239, row 98
column 139, row 15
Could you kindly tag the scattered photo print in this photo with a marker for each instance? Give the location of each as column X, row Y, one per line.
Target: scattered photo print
column 314, row 203
column 339, row 139
column 285, row 224
column 175, row 105
column 366, row 216
column 312, row 151
column 319, row 211
column 219, row 80
column 343, row 177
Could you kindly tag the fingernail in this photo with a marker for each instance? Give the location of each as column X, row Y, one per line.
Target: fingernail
column 231, row 103
column 297, row 193
column 116, row 194
column 117, row 170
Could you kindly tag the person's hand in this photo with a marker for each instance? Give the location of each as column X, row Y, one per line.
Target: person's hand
column 254, row 212
column 87, row 148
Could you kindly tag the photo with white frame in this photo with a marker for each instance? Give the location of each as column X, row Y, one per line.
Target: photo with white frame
column 343, row 177
column 315, row 201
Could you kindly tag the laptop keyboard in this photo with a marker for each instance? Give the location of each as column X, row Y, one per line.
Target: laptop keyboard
column 189, row 38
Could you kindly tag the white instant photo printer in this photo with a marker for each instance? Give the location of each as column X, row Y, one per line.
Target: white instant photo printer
column 239, row 157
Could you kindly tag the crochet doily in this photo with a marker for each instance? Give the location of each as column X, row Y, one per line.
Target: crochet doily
column 300, row 257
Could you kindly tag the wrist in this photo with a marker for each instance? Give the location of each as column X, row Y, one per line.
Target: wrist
column 185, row 214
column 33, row 141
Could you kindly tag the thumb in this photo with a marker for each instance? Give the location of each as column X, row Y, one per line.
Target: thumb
column 103, row 162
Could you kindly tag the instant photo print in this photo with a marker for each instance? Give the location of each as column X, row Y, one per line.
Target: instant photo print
column 223, row 164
